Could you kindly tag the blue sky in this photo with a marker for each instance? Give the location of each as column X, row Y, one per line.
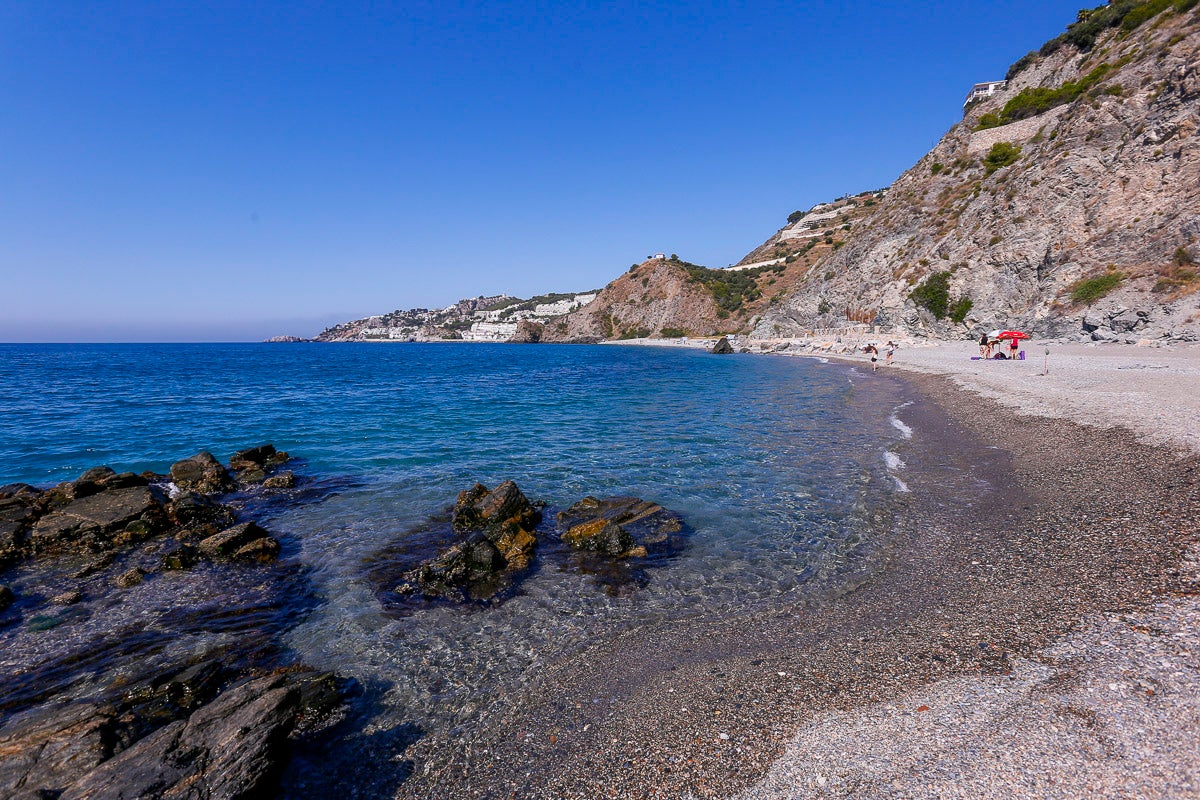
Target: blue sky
column 226, row 171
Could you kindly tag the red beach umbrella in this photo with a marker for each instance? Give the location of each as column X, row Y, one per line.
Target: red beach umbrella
column 1012, row 335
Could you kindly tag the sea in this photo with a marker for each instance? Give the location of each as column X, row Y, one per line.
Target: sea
column 783, row 469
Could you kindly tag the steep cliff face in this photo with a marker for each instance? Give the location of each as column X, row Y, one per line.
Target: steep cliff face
column 1077, row 213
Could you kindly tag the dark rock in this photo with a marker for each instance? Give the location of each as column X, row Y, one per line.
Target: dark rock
column 91, row 522
column 18, row 490
column 130, row 577
column 17, row 513
column 67, row 598
column 234, row 747
column 252, row 475
column 199, row 514
column 477, row 508
column 91, row 481
column 722, row 347
column 45, row 749
column 496, row 543
column 648, row 523
column 94, row 566
column 284, row 480
column 262, row 550
column 227, row 542
column 184, row 556
column 600, row 535
column 6, row 597
column 201, row 473
column 252, row 457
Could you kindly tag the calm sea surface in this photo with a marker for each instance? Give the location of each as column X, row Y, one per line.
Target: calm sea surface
column 777, row 465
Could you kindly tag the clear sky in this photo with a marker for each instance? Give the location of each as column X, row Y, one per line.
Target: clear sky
column 176, row 171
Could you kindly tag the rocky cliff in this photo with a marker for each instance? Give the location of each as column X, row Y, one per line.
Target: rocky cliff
column 1068, row 203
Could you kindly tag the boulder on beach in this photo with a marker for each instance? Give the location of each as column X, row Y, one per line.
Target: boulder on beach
column 722, row 347
column 201, row 473
column 495, row 542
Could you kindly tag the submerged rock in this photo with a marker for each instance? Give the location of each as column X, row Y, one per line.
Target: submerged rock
column 245, row 541
column 6, row 597
column 495, row 543
column 618, row 525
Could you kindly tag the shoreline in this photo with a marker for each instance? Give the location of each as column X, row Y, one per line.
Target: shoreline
column 964, row 593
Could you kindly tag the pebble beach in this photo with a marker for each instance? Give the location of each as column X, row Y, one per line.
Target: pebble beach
column 1038, row 642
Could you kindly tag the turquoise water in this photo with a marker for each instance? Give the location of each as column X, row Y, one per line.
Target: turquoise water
column 776, row 464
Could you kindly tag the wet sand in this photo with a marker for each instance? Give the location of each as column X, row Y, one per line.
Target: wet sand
column 1017, row 531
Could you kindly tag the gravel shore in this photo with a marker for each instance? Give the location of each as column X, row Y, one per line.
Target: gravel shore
column 1033, row 556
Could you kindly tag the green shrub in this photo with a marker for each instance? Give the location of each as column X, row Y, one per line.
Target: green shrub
column 1144, row 12
column 960, row 308
column 1002, row 154
column 672, row 333
column 936, row 167
column 823, row 306
column 635, row 333
column 933, row 294
column 989, row 120
column 730, row 290
column 1185, row 5
column 1182, row 258
column 1089, row 290
column 795, row 217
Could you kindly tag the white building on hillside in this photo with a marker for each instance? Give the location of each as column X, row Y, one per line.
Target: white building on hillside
column 982, row 91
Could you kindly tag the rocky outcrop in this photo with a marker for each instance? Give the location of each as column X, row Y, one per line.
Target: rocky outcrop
column 494, row 544
column 99, row 521
column 201, row 473
column 528, row 332
column 722, row 347
column 254, row 464
column 1106, row 183
column 618, row 526
column 245, row 542
column 166, row 739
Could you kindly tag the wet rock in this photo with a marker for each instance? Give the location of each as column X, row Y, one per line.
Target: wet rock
column 648, row 524
column 199, row 514
column 722, row 347
column 254, row 464
column 184, row 556
column 228, row 542
column 201, row 473
column 18, row 490
column 600, row 535
column 94, row 566
column 6, row 597
column 284, row 480
column 47, row 748
column 67, row 598
column 262, row 550
column 91, row 522
column 234, row 747
column 17, row 513
column 496, row 543
column 130, row 578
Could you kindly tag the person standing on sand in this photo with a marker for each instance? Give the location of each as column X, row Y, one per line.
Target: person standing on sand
column 985, row 346
column 891, row 351
column 1012, row 348
column 873, row 352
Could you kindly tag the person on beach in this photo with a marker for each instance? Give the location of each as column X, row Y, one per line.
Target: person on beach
column 1012, row 348
column 985, row 346
column 891, row 351
column 873, row 352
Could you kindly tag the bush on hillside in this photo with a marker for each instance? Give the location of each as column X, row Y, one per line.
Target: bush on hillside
column 1089, row 290
column 730, row 290
column 1001, row 155
column 933, row 294
column 794, row 217
column 961, row 307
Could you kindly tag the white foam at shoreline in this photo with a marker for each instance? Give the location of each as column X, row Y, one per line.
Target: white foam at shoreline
column 894, row 463
column 899, row 425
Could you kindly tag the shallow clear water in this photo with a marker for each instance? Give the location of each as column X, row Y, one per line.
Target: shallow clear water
column 777, row 465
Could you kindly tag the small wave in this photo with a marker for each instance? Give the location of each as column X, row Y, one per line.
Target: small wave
column 894, row 463
column 899, row 425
